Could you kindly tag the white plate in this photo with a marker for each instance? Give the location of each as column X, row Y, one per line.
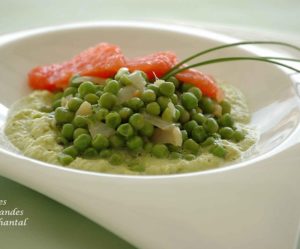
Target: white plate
column 212, row 209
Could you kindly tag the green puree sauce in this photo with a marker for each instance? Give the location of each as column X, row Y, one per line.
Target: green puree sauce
column 33, row 132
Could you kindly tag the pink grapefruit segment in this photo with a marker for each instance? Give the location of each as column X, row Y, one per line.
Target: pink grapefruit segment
column 204, row 82
column 102, row 60
column 154, row 65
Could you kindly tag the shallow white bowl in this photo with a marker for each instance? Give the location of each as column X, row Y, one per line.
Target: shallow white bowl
column 227, row 207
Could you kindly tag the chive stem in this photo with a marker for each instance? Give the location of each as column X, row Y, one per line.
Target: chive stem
column 169, row 73
column 279, row 58
column 225, row 59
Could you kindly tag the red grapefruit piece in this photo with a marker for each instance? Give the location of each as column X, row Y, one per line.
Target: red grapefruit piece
column 154, row 65
column 102, row 60
column 204, row 82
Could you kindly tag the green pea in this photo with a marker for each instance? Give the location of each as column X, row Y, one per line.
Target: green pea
column 125, row 80
column 167, row 115
column 184, row 135
column 106, row 81
column 116, row 141
column 160, row 151
column 58, row 95
column 207, row 105
column 77, row 95
column 85, row 88
column 154, row 88
column 175, row 155
column 64, row 159
column 61, row 140
column 78, row 132
column 113, row 119
column 101, row 114
column 74, row 104
column 148, row 147
column 180, row 108
column 189, row 157
column 80, row 121
column 99, row 88
column 190, row 125
column 185, row 87
column 191, row 146
column 99, row 93
column 116, row 159
column 199, row 134
column 226, row 120
column 226, row 132
column 90, row 153
column 125, row 130
column 147, row 130
column 209, row 141
column 189, row 100
column 71, row 150
column 226, row 106
column 135, row 103
column 112, row 86
column 148, row 96
column 217, row 110
column 62, row 115
column 122, row 71
column 177, row 115
column 196, row 91
column 137, row 121
column 163, row 102
column 184, row 116
column 108, row 100
column 56, row 104
column 135, row 142
column 174, row 81
column 67, row 131
column 211, row 125
column 91, row 98
column 105, row 153
column 166, row 89
column 173, row 148
column 73, row 82
column 82, row 142
column 216, row 136
column 70, row 91
column 153, row 108
column 238, row 136
column 100, row 142
column 218, row 150
column 125, row 113
column 193, row 111
column 174, row 99
column 199, row 118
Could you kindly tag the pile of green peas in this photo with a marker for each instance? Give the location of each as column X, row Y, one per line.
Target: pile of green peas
column 202, row 121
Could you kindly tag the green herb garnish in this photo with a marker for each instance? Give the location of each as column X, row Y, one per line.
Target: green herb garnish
column 176, row 69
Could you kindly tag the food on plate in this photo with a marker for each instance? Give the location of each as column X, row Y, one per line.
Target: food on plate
column 101, row 111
